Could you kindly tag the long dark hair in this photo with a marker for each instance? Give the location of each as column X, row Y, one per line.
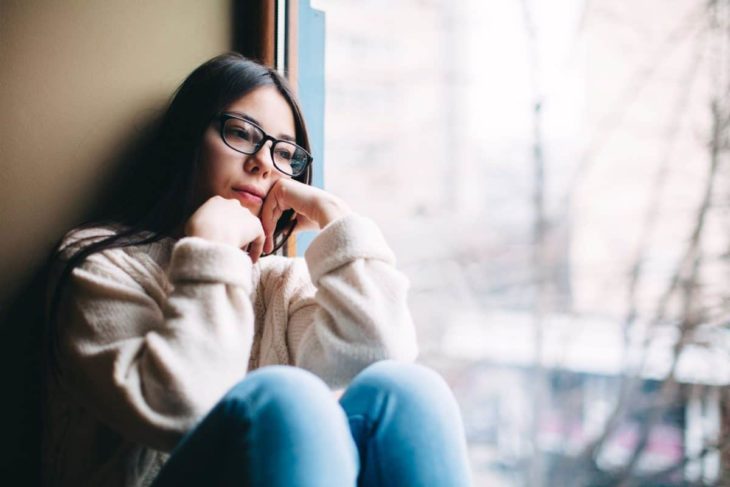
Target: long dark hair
column 173, row 160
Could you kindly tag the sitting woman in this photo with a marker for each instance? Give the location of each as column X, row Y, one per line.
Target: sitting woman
column 183, row 353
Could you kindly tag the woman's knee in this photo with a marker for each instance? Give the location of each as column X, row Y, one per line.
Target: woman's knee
column 407, row 381
column 279, row 390
column 288, row 405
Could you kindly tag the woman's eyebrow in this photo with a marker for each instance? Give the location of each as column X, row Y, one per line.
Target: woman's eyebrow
column 247, row 117
column 251, row 119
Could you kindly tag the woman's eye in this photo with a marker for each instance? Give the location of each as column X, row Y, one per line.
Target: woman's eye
column 284, row 154
column 239, row 133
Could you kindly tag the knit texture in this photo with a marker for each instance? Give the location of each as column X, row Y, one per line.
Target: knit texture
column 152, row 336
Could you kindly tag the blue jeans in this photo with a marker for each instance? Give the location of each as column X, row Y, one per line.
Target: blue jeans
column 397, row 424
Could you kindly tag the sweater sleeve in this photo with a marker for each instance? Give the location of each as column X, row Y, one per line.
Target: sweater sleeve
column 149, row 364
column 358, row 313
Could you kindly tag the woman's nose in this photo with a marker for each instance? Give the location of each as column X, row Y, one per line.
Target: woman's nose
column 260, row 162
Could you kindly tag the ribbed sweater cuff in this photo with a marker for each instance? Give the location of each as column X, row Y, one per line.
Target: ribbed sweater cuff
column 343, row 241
column 198, row 259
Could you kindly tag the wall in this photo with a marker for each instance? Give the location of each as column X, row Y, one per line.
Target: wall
column 79, row 82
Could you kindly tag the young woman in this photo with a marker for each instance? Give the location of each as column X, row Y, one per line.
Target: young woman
column 180, row 356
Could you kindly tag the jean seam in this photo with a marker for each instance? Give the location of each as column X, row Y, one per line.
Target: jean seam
column 370, row 440
column 368, row 428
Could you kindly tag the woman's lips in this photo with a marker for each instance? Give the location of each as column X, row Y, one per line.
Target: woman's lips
column 247, row 196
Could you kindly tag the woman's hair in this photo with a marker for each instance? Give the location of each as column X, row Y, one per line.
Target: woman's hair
column 173, row 160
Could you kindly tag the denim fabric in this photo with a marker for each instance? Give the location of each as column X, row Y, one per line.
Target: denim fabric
column 397, row 424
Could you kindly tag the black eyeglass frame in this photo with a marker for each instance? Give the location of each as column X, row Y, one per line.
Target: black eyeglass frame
column 223, row 117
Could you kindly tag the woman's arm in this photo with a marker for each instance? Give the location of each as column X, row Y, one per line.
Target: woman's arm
column 147, row 364
column 359, row 312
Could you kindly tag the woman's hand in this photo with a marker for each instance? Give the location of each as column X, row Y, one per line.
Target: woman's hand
column 227, row 221
column 314, row 207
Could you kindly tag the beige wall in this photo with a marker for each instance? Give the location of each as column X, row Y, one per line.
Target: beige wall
column 77, row 79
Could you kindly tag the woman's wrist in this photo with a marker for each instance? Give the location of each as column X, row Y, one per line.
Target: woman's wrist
column 331, row 210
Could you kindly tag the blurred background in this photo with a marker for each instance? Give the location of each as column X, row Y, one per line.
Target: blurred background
column 553, row 177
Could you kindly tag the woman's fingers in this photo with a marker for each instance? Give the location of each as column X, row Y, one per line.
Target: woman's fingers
column 256, row 238
column 267, row 215
column 256, row 247
column 270, row 214
column 313, row 208
column 269, row 229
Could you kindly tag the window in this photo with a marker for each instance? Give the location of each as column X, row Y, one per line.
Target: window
column 550, row 175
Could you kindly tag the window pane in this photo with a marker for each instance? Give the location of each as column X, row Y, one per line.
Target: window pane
column 552, row 177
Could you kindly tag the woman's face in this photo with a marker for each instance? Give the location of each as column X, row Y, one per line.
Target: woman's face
column 247, row 178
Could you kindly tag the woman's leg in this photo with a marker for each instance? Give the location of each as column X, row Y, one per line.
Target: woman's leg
column 407, row 427
column 280, row 426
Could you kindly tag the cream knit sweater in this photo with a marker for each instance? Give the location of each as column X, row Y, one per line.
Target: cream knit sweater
column 152, row 337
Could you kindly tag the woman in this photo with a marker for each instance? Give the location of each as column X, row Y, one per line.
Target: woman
column 181, row 357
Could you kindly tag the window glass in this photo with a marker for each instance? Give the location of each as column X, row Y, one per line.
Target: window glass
column 553, row 178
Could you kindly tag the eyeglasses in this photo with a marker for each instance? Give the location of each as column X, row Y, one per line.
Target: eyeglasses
column 246, row 137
